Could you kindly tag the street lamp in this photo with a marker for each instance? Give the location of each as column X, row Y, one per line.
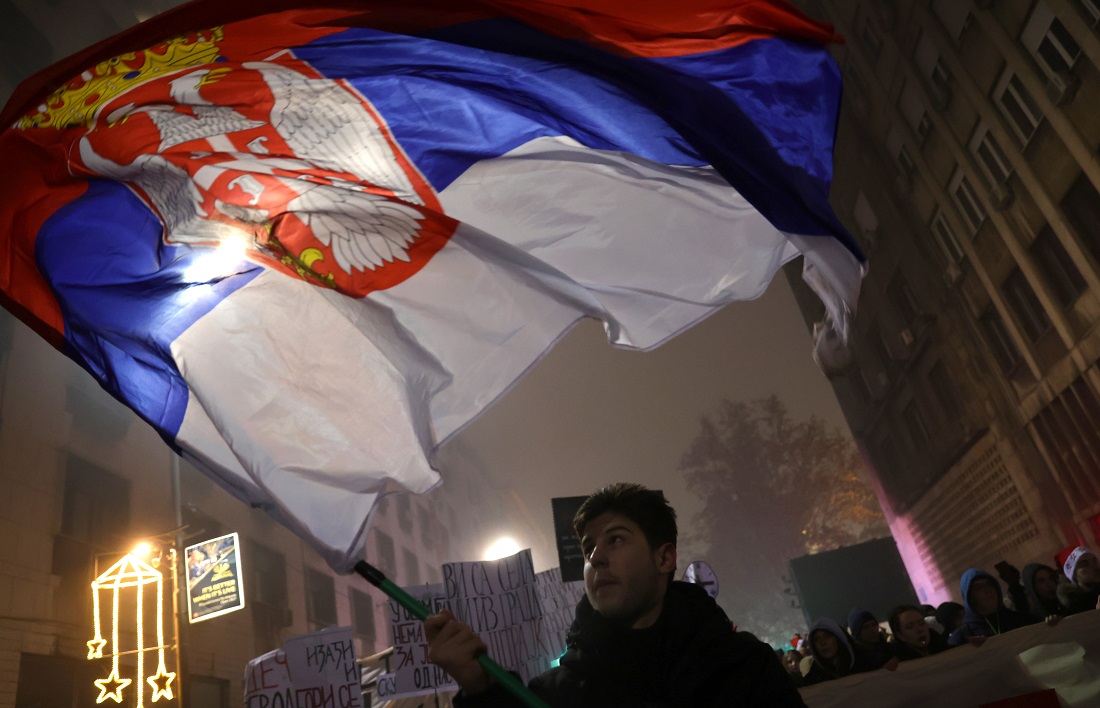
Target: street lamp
column 132, row 571
column 501, row 548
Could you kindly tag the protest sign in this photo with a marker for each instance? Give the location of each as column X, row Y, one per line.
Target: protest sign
column 499, row 600
column 558, row 602
column 213, row 578
column 412, row 674
column 323, row 669
column 311, row 671
column 267, row 682
column 570, row 558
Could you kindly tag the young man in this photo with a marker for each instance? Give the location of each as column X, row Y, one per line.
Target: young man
column 1083, row 570
column 913, row 638
column 986, row 614
column 639, row 638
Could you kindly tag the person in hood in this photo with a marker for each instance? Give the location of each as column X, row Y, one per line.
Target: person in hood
column 986, row 614
column 1041, row 585
column 868, row 639
column 913, row 637
column 949, row 615
column 833, row 655
column 638, row 637
column 1083, row 591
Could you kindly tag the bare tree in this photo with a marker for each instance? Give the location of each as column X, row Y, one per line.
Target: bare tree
column 773, row 489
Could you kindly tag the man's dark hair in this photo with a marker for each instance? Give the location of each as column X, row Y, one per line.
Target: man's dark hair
column 646, row 507
column 894, row 619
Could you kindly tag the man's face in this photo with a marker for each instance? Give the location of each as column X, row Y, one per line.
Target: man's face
column 1045, row 583
column 624, row 579
column 983, row 596
column 1087, row 574
column 826, row 646
column 913, row 630
column 869, row 632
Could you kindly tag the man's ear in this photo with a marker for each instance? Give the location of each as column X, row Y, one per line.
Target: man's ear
column 665, row 557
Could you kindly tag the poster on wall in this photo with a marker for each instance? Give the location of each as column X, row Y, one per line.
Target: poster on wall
column 213, row 578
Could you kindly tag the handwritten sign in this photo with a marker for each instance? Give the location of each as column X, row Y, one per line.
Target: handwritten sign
column 558, row 602
column 499, row 600
column 412, row 674
column 267, row 682
column 311, row 671
column 323, row 669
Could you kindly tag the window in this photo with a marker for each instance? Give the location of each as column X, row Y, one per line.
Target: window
column 1017, row 106
column 943, row 388
column 268, row 581
column 903, row 298
column 946, row 238
column 912, row 107
column 1090, row 11
column 387, row 555
column 991, row 159
column 931, row 66
column 1081, row 206
column 320, row 599
column 1049, row 41
column 865, row 218
column 969, row 206
column 1029, row 312
column 999, row 341
column 404, row 513
column 412, row 567
column 1064, row 278
column 362, row 616
column 208, row 692
column 953, row 15
column 97, row 505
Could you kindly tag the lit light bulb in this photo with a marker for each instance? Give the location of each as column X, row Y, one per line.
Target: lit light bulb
column 501, row 548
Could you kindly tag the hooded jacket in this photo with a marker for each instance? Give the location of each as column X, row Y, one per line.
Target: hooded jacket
column 1038, row 607
column 974, row 625
column 847, row 662
column 873, row 655
column 690, row 656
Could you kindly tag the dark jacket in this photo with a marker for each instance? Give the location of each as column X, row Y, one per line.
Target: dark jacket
column 975, row 625
column 1076, row 598
column 873, row 655
column 849, row 660
column 690, row 656
column 936, row 643
column 1038, row 607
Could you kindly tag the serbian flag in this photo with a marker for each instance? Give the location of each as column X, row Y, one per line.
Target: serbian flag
column 309, row 245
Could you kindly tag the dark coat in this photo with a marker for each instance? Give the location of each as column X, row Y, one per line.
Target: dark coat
column 1076, row 598
column 690, row 656
column 1039, row 607
column 975, row 625
column 849, row 661
column 936, row 643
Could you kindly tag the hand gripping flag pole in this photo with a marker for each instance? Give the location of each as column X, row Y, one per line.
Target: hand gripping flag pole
column 501, row 675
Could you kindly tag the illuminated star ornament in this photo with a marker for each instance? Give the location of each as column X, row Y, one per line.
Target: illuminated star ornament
column 130, row 572
column 115, row 694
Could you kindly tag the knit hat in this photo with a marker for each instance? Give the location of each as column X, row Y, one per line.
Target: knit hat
column 1070, row 566
column 856, row 619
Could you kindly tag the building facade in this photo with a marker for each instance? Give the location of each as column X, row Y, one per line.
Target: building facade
column 967, row 168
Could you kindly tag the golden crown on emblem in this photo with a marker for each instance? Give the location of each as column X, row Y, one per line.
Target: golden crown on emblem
column 77, row 102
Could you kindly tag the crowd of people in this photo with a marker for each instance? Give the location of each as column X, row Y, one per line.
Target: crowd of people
column 1037, row 594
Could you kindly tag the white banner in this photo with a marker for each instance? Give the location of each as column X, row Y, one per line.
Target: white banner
column 1065, row 657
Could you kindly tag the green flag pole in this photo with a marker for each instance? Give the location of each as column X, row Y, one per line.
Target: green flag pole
column 499, row 674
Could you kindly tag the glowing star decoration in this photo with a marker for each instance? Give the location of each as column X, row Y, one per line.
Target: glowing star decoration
column 114, row 694
column 130, row 572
